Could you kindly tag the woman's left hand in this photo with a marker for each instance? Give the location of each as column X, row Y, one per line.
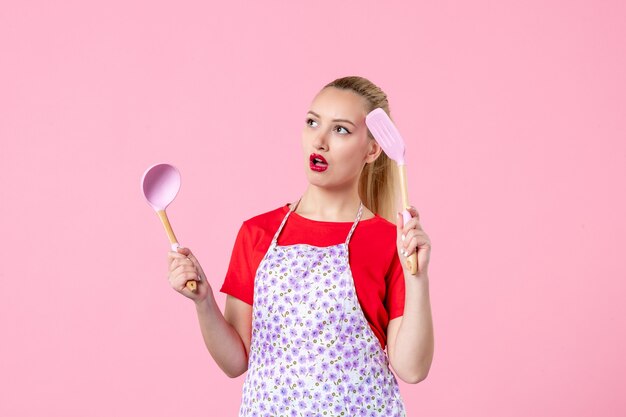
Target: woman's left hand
column 412, row 238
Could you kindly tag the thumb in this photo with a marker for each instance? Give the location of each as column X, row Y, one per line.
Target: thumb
column 183, row 251
column 187, row 252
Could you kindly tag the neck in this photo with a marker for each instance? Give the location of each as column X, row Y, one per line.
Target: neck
column 329, row 205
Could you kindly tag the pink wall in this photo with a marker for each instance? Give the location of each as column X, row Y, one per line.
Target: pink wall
column 514, row 113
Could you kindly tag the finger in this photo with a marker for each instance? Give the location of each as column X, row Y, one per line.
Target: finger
column 190, row 275
column 183, row 265
column 188, row 253
column 181, row 285
column 181, row 269
column 193, row 258
column 419, row 241
column 407, row 238
column 179, row 282
column 413, row 211
column 413, row 243
column 416, row 239
column 174, row 263
column 171, row 255
column 412, row 224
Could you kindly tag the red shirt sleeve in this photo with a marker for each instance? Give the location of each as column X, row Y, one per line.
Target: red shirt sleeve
column 394, row 300
column 239, row 280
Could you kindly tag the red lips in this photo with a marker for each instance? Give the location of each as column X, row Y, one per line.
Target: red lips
column 317, row 162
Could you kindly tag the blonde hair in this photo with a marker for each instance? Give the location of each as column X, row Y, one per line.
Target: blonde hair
column 377, row 183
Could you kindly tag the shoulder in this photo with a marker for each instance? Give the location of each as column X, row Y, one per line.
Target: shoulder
column 265, row 222
column 267, row 217
column 381, row 227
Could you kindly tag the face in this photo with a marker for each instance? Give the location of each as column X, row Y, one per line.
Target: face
column 335, row 133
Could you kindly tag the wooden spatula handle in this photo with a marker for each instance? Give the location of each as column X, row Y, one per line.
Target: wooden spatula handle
column 411, row 261
column 191, row 284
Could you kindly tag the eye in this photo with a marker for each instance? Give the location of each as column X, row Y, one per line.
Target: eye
column 345, row 131
column 310, row 122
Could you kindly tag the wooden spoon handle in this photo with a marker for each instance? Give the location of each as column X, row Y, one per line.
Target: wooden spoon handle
column 411, row 261
column 168, row 227
column 191, row 284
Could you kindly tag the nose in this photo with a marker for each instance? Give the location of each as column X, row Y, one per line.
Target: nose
column 321, row 140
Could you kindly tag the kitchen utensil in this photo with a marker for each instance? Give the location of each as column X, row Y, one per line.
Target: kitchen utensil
column 388, row 137
column 160, row 184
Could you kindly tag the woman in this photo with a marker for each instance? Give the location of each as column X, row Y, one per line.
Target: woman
column 318, row 288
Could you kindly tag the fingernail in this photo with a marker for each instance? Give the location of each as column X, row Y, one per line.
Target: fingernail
column 403, row 237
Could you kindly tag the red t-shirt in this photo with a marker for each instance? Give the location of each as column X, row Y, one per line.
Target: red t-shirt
column 373, row 257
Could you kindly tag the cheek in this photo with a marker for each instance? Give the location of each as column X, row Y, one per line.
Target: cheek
column 350, row 156
column 307, row 136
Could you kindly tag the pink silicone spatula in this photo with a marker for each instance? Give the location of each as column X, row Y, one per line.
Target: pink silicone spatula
column 160, row 184
column 388, row 137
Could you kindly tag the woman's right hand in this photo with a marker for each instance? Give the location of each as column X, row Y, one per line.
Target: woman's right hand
column 183, row 267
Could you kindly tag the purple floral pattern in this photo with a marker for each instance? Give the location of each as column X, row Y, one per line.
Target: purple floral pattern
column 312, row 351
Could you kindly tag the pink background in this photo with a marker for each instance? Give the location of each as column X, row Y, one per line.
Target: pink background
column 514, row 114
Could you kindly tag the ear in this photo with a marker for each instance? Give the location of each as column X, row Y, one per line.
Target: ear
column 374, row 150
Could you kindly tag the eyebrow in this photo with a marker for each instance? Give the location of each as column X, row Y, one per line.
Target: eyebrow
column 334, row 120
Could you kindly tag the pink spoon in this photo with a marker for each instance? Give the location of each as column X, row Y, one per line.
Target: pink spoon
column 160, row 184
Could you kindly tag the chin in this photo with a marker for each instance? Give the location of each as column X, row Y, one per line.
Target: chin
column 315, row 180
column 325, row 183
